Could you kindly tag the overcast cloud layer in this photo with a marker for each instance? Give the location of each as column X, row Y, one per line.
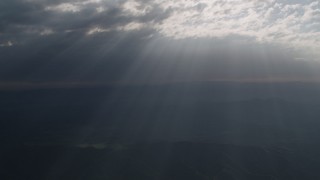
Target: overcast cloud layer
column 110, row 40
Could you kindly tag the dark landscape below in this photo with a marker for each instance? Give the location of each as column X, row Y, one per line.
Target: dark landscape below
column 216, row 131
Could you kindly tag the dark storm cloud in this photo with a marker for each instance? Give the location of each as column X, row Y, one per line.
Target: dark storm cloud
column 48, row 42
column 120, row 41
column 34, row 16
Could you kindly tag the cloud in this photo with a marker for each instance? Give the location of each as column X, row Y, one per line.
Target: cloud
column 141, row 40
column 96, row 30
column 265, row 21
column 136, row 8
column 132, row 26
column 295, row 25
column 64, row 7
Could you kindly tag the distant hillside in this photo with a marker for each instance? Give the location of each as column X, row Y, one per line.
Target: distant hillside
column 159, row 161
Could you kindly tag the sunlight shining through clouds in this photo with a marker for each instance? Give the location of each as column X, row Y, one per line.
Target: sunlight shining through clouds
column 159, row 89
column 161, row 40
column 294, row 24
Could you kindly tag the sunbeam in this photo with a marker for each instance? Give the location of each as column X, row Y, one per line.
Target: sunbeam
column 159, row 90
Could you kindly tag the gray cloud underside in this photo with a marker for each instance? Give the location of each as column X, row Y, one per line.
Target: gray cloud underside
column 158, row 41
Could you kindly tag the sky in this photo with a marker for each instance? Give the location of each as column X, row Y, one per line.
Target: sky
column 74, row 42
